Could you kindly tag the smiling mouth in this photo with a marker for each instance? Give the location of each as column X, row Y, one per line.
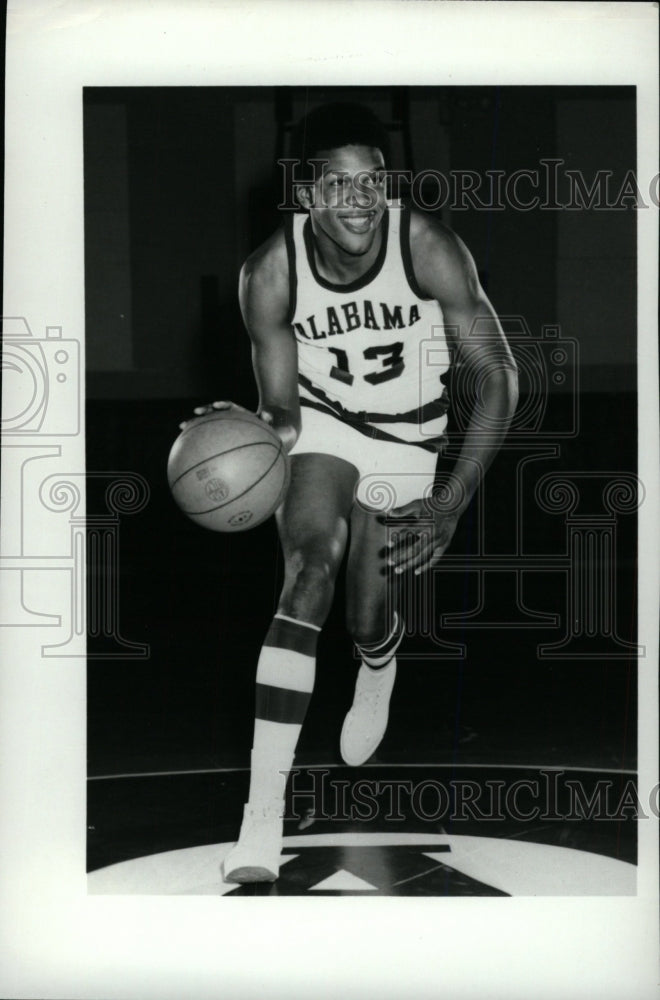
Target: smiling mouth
column 357, row 222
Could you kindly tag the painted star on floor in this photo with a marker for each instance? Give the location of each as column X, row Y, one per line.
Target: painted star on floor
column 390, row 870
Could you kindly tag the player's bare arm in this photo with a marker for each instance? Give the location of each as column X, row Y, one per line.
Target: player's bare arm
column 445, row 270
column 264, row 300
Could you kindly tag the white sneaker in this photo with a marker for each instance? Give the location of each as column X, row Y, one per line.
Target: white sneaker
column 366, row 722
column 256, row 855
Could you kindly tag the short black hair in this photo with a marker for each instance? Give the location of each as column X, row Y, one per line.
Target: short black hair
column 332, row 126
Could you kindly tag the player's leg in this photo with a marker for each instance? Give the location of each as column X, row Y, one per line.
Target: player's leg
column 392, row 476
column 313, row 528
column 376, row 627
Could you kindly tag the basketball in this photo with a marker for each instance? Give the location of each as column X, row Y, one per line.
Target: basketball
column 228, row 470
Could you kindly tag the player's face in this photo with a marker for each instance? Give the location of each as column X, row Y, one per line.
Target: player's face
column 348, row 200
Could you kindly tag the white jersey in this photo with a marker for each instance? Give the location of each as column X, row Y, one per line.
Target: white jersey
column 371, row 352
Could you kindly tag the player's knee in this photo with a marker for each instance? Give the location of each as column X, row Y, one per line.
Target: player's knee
column 311, row 572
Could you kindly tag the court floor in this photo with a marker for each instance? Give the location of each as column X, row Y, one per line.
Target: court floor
column 377, row 830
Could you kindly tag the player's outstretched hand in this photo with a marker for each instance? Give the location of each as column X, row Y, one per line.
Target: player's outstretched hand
column 201, row 411
column 419, row 536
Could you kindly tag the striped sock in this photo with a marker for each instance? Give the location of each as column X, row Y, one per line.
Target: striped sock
column 285, row 680
column 379, row 654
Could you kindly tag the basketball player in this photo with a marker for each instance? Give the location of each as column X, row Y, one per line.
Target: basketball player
column 355, row 309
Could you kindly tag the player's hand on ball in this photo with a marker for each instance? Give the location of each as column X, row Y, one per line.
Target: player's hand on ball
column 202, row 411
column 420, row 542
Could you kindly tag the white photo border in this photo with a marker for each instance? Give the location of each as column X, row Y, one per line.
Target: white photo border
column 57, row 940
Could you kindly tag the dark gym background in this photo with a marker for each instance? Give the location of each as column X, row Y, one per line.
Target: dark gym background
column 179, row 188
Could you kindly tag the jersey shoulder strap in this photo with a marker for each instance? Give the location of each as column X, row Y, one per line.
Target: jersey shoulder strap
column 295, row 252
column 404, row 215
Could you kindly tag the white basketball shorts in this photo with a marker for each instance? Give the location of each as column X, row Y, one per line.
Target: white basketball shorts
column 390, row 474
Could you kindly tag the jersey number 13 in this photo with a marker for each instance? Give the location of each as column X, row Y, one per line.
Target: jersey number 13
column 391, row 364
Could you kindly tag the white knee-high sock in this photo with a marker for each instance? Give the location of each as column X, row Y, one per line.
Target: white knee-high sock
column 285, row 680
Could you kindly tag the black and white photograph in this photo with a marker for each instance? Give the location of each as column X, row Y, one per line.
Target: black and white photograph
column 440, row 619
column 332, row 543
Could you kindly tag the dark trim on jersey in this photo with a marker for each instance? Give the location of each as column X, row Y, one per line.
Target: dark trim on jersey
column 420, row 415
column 364, row 279
column 406, row 254
column 291, row 258
column 276, row 704
column 375, row 433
